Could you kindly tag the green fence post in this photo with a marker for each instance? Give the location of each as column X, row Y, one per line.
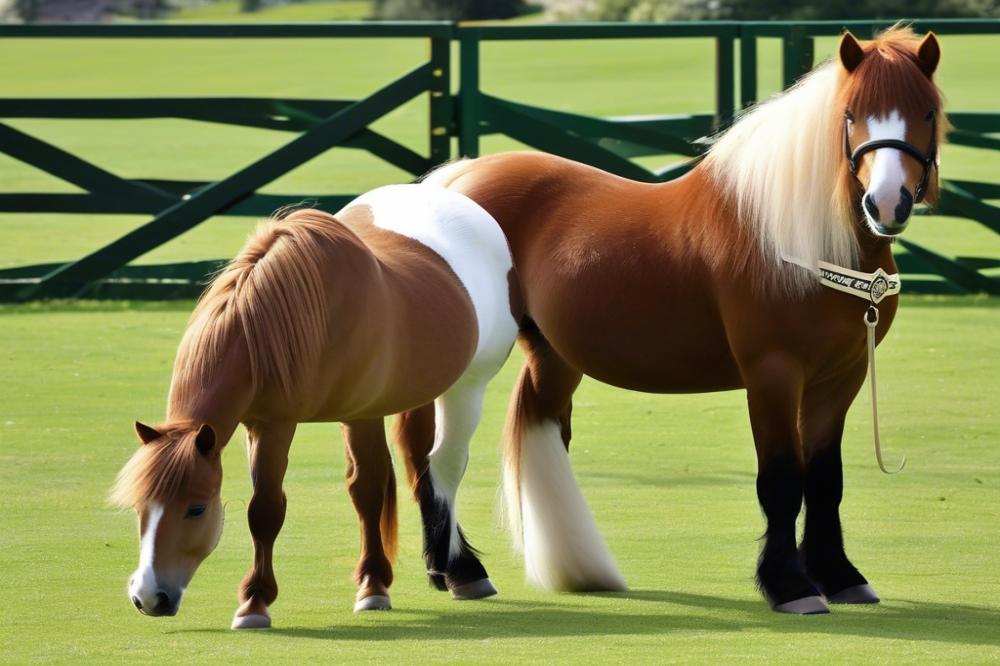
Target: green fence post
column 468, row 122
column 748, row 67
column 440, row 100
column 796, row 54
column 725, row 80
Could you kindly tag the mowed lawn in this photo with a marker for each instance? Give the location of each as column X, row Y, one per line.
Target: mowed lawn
column 670, row 478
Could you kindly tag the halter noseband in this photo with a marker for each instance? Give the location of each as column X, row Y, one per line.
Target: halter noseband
column 854, row 158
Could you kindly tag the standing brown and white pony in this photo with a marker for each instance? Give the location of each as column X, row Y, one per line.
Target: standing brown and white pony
column 399, row 302
column 710, row 283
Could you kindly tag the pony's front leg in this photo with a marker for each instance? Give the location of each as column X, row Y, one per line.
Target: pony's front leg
column 823, row 412
column 773, row 394
column 372, row 485
column 267, row 447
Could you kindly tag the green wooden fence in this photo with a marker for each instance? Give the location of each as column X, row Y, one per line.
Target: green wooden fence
column 608, row 143
column 176, row 207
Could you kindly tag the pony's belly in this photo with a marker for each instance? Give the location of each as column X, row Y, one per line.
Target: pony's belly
column 632, row 365
column 652, row 340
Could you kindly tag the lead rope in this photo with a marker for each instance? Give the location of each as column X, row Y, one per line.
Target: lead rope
column 871, row 322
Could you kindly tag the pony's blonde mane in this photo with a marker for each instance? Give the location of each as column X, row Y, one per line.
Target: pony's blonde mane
column 272, row 299
column 159, row 469
column 782, row 162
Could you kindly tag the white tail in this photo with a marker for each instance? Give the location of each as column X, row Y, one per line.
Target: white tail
column 548, row 516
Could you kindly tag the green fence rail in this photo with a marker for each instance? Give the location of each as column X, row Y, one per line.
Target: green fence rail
column 178, row 206
column 608, row 143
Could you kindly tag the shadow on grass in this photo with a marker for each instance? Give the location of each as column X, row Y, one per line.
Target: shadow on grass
column 893, row 618
column 499, row 618
column 673, row 479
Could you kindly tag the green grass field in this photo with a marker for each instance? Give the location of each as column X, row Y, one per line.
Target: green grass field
column 670, row 478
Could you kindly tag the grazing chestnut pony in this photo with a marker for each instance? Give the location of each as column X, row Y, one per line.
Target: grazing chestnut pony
column 713, row 282
column 400, row 300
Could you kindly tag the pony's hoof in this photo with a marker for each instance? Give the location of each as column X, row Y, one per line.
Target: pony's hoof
column 857, row 594
column 478, row 589
column 376, row 602
column 813, row 605
column 252, row 621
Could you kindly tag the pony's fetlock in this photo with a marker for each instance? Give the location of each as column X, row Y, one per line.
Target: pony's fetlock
column 830, row 573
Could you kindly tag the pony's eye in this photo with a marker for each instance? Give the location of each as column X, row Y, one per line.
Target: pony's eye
column 929, row 117
column 848, row 116
column 195, row 511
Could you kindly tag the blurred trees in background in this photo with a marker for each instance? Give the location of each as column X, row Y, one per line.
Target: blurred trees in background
column 762, row 10
column 457, row 10
column 598, row 10
column 80, row 10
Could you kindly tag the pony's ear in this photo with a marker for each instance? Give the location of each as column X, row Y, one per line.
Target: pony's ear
column 204, row 441
column 929, row 53
column 146, row 433
column 851, row 53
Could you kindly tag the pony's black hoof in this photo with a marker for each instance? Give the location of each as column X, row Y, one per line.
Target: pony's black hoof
column 856, row 594
column 478, row 589
column 813, row 605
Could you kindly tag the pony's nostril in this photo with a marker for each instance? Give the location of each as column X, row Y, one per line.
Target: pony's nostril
column 905, row 205
column 162, row 602
column 870, row 207
column 137, row 602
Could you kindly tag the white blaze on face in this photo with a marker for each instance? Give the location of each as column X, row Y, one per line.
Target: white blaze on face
column 888, row 175
column 144, row 585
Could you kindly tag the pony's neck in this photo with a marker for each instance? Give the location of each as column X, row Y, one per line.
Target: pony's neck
column 219, row 395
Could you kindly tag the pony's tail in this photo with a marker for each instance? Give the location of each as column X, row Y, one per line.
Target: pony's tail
column 547, row 515
column 388, row 522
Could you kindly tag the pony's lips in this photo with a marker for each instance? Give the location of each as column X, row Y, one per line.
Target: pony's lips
column 892, row 231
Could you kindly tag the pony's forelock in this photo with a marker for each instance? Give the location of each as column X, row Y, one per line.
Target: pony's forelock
column 159, row 469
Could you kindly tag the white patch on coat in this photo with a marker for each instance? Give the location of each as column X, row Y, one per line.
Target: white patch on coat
column 471, row 242
column 144, row 584
column 887, row 173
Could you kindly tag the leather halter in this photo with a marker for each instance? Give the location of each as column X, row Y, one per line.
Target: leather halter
column 854, row 158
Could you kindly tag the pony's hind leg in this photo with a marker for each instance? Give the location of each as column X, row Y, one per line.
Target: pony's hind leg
column 372, row 486
column 822, row 424
column 436, row 444
column 267, row 447
column 774, row 390
column 546, row 513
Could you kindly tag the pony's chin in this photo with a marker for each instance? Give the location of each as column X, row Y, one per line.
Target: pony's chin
column 883, row 231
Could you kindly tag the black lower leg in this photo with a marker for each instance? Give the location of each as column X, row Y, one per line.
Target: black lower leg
column 822, row 545
column 443, row 570
column 780, row 575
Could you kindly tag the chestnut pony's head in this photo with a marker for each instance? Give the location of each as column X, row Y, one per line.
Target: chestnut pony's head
column 173, row 481
column 892, row 124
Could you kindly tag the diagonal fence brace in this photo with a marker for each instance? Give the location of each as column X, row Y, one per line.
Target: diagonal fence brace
column 74, row 277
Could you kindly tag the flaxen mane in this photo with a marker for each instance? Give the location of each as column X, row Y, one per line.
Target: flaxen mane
column 271, row 299
column 782, row 162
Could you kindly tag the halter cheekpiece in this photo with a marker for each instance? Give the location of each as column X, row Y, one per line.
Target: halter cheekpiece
column 854, row 158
